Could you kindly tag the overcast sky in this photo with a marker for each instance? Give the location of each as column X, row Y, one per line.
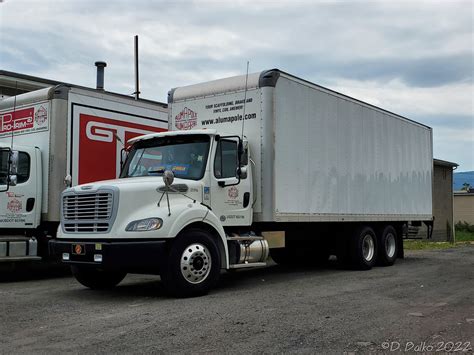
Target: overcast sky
column 414, row 58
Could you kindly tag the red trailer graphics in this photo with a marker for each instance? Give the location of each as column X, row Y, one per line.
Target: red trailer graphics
column 99, row 137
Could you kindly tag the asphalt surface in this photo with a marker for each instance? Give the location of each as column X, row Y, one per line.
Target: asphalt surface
column 427, row 299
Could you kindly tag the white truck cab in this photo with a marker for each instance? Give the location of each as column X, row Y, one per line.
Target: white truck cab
column 185, row 186
column 21, row 198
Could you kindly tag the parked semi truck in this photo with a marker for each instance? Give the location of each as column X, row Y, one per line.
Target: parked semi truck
column 53, row 138
column 252, row 166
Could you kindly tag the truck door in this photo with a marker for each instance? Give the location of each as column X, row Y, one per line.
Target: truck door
column 231, row 200
column 20, row 205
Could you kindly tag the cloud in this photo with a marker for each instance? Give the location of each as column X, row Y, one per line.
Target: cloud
column 412, row 58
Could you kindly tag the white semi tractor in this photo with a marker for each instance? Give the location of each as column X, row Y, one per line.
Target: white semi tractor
column 268, row 164
column 55, row 137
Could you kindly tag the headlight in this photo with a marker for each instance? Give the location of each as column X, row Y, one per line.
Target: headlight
column 147, row 224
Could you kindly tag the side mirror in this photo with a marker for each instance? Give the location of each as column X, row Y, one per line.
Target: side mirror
column 13, row 162
column 12, row 180
column 242, row 172
column 8, row 167
column 123, row 158
column 4, row 165
column 244, row 154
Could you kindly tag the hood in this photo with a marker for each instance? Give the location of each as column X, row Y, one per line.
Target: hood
column 143, row 183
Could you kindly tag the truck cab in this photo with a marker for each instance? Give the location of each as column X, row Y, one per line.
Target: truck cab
column 182, row 208
column 20, row 202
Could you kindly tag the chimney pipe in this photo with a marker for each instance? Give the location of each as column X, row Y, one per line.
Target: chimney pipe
column 100, row 74
column 137, row 87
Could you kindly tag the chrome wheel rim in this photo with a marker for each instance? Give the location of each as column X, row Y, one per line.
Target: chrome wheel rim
column 368, row 247
column 390, row 245
column 196, row 263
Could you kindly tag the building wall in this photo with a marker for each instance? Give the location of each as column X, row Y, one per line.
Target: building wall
column 443, row 229
column 443, row 203
column 464, row 207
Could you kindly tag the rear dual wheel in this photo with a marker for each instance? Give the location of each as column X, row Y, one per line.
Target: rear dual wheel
column 363, row 248
column 388, row 246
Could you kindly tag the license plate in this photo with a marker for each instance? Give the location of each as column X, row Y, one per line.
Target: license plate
column 79, row 249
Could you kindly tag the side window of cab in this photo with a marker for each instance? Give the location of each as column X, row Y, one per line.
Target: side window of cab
column 23, row 169
column 225, row 162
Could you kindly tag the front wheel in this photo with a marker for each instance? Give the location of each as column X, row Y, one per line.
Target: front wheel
column 97, row 279
column 193, row 265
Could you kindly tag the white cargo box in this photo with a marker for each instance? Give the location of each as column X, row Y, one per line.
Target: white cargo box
column 319, row 155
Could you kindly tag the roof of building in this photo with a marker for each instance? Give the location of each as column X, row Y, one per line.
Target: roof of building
column 13, row 84
column 444, row 163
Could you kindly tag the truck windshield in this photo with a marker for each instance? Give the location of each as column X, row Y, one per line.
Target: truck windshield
column 186, row 156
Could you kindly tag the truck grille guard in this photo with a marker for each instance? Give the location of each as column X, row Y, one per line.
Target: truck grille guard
column 89, row 211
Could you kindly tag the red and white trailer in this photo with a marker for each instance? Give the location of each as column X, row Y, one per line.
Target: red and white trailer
column 62, row 136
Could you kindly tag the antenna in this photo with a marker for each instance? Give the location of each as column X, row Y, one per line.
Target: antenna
column 245, row 99
column 14, row 112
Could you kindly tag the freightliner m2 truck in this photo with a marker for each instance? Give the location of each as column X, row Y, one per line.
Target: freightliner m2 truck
column 268, row 164
column 56, row 137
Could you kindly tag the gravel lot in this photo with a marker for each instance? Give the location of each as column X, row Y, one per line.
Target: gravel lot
column 426, row 299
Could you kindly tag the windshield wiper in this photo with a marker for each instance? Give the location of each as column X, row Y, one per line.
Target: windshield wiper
column 159, row 171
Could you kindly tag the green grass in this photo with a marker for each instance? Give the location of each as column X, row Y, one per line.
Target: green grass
column 464, row 236
column 424, row 245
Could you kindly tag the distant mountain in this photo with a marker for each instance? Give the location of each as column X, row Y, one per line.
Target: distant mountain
column 460, row 178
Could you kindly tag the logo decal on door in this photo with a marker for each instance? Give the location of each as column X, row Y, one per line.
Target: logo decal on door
column 14, row 205
column 233, row 192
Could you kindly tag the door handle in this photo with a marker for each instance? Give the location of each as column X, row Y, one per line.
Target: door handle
column 30, row 203
column 246, row 199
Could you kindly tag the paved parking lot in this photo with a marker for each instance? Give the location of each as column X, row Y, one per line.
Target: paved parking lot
column 426, row 299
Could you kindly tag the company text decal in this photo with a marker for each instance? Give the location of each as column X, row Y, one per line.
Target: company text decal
column 24, row 121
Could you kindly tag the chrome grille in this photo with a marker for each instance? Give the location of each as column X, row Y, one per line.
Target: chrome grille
column 87, row 206
column 86, row 227
column 87, row 212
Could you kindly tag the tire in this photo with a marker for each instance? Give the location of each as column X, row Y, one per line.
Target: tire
column 387, row 246
column 363, row 251
column 97, row 279
column 193, row 264
column 280, row 256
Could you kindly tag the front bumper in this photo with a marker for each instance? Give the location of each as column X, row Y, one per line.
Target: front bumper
column 114, row 255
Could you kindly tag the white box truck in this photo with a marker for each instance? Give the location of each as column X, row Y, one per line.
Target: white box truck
column 315, row 173
column 56, row 137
